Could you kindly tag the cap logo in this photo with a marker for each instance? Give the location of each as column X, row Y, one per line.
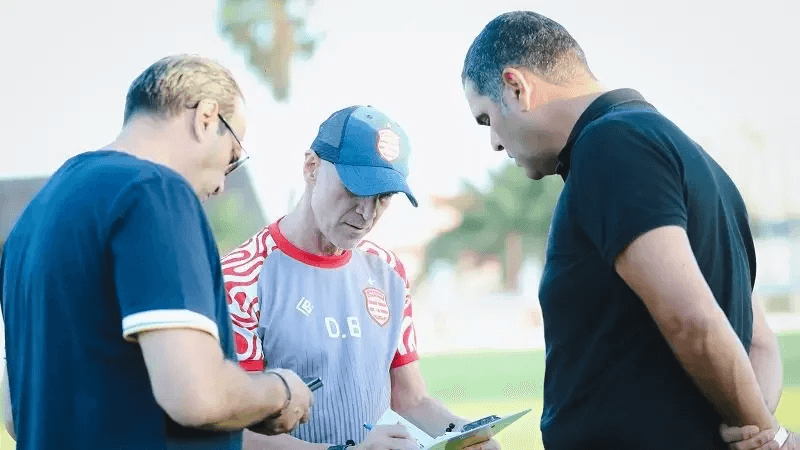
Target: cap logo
column 388, row 144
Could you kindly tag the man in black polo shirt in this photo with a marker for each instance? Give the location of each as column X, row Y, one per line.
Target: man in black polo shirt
column 653, row 340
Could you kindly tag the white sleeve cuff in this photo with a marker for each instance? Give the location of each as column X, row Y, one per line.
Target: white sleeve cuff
column 781, row 436
column 160, row 319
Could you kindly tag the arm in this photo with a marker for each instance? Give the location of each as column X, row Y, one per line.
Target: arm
column 409, row 396
column 7, row 419
column 660, row 268
column 253, row 441
column 765, row 358
column 411, row 400
column 197, row 387
column 168, row 282
column 766, row 362
column 242, row 284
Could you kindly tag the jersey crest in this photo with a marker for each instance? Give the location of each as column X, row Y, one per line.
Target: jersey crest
column 377, row 307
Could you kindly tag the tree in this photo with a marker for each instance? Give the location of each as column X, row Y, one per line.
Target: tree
column 271, row 33
column 226, row 223
column 235, row 215
column 507, row 221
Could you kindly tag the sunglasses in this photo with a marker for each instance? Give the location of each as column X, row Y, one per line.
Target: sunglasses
column 243, row 156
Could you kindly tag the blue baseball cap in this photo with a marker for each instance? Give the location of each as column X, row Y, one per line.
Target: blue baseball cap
column 369, row 150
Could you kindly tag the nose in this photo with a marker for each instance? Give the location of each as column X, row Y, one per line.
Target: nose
column 367, row 206
column 495, row 141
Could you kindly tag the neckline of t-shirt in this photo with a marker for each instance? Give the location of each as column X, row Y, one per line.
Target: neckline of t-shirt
column 109, row 151
column 161, row 168
column 312, row 259
column 596, row 109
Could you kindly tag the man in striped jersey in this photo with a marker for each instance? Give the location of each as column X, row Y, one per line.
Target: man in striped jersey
column 308, row 294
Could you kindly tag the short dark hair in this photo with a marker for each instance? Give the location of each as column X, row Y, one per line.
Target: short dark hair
column 522, row 39
column 181, row 81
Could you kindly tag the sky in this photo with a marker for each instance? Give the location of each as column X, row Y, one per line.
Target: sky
column 709, row 65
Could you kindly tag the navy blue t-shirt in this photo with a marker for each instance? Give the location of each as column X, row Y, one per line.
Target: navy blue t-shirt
column 611, row 380
column 111, row 246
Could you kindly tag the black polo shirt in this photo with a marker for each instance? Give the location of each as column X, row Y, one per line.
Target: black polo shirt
column 611, row 381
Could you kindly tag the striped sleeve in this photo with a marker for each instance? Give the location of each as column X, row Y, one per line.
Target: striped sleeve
column 407, row 346
column 161, row 319
column 241, row 269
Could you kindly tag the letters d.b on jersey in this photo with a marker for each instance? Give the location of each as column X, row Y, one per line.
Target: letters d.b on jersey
column 377, row 307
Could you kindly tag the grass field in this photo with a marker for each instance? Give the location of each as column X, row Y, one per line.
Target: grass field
column 476, row 385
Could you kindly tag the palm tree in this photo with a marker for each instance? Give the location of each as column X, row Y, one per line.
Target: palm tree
column 509, row 220
column 271, row 33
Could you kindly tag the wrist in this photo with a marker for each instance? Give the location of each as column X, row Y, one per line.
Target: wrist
column 349, row 445
column 281, row 393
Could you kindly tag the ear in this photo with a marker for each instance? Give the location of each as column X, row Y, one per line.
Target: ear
column 206, row 118
column 521, row 90
column 311, row 166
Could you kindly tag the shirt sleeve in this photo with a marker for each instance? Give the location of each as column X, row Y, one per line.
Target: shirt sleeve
column 241, row 270
column 245, row 309
column 245, row 313
column 159, row 245
column 626, row 181
column 407, row 347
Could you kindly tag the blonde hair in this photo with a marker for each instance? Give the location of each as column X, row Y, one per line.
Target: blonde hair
column 177, row 82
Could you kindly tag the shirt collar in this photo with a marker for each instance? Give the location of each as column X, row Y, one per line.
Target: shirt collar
column 312, row 259
column 598, row 108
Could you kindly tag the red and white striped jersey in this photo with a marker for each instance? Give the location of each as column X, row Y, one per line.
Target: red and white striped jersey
column 345, row 318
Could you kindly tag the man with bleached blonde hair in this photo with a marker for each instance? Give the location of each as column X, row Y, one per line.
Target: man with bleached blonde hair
column 117, row 329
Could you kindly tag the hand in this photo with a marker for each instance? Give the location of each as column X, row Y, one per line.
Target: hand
column 749, row 438
column 388, row 437
column 296, row 412
column 491, row 444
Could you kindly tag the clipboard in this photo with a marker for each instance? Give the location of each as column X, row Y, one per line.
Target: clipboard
column 454, row 440
column 460, row 440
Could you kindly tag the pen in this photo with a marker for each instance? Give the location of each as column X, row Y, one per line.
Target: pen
column 314, row 384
